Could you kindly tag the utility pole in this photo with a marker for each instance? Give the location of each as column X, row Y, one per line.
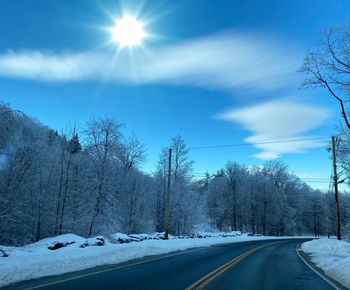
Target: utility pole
column 167, row 204
column 327, row 218
column 335, row 182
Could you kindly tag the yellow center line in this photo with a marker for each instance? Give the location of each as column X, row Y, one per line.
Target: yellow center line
column 205, row 280
column 112, row 268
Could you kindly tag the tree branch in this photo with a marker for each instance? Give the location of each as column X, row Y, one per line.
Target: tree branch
column 340, row 102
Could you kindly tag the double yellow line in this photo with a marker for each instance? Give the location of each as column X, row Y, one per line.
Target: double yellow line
column 205, row 280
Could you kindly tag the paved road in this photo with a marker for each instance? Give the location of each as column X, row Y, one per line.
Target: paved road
column 249, row 265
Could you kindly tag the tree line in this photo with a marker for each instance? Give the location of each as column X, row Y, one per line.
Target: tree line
column 90, row 183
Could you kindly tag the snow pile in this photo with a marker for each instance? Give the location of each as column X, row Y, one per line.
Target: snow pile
column 140, row 237
column 120, row 238
column 67, row 238
column 71, row 240
column 37, row 260
column 220, row 234
column 332, row 256
column 124, row 238
column 95, row 241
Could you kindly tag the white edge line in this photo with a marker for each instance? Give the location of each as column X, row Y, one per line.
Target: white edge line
column 106, row 270
column 163, row 256
column 297, row 249
column 137, row 263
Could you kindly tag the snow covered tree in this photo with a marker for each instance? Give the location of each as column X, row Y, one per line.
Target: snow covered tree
column 102, row 141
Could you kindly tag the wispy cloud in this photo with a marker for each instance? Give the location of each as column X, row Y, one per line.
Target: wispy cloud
column 279, row 120
column 46, row 66
column 227, row 61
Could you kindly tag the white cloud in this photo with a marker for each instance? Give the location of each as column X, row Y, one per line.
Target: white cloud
column 226, row 61
column 267, row 155
column 279, row 120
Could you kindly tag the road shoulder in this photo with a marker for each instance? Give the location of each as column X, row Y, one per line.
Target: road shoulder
column 306, row 258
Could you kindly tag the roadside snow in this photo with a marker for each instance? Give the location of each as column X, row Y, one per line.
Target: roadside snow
column 36, row 260
column 332, row 256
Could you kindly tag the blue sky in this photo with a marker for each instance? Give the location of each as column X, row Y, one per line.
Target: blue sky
column 215, row 72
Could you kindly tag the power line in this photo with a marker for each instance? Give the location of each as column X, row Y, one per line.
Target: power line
column 305, row 179
column 316, row 181
column 302, row 179
column 258, row 143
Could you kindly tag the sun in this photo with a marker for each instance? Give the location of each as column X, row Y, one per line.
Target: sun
column 128, row 31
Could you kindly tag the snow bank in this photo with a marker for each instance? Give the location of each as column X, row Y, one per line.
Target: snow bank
column 71, row 240
column 220, row 234
column 332, row 256
column 36, row 260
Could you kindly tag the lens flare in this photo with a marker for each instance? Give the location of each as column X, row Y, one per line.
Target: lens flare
column 128, row 31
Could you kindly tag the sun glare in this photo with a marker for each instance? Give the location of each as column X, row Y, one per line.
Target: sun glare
column 128, row 31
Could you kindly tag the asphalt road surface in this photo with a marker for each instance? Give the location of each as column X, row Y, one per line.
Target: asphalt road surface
column 249, row 265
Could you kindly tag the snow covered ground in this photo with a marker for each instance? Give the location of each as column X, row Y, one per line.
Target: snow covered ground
column 332, row 256
column 36, row 260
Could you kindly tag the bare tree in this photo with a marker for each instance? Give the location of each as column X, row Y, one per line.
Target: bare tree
column 51, row 184
column 103, row 139
column 131, row 153
column 11, row 122
column 329, row 67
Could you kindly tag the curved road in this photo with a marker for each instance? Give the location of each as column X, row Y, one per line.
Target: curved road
column 259, row 265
